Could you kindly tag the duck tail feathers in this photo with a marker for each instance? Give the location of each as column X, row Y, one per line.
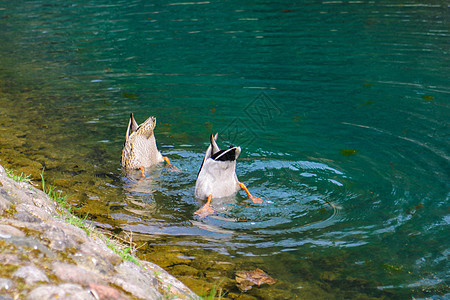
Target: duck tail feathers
column 132, row 126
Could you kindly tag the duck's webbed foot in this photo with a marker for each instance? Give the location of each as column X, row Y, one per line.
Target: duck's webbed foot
column 253, row 198
column 172, row 167
column 142, row 171
column 206, row 209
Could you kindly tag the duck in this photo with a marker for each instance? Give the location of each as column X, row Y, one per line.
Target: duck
column 139, row 149
column 217, row 176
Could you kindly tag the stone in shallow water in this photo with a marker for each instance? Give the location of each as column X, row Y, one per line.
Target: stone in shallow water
column 184, row 270
column 246, row 279
column 31, row 274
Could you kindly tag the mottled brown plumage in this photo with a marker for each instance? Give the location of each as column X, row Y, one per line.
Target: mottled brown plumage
column 139, row 149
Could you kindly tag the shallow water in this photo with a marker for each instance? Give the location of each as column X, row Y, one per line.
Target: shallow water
column 340, row 107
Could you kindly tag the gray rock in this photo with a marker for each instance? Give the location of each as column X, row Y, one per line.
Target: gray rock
column 90, row 260
column 65, row 291
column 97, row 247
column 134, row 280
column 72, row 232
column 6, row 284
column 94, row 255
column 8, row 231
column 75, row 274
column 23, row 213
column 25, row 216
column 58, row 240
column 32, row 243
column 5, row 200
column 168, row 282
column 31, row 274
column 9, row 259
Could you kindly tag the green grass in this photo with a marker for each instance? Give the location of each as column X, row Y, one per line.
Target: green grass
column 18, row 177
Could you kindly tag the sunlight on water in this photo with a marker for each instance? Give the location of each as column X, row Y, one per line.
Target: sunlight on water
column 340, row 107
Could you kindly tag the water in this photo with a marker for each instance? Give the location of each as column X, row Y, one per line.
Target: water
column 341, row 109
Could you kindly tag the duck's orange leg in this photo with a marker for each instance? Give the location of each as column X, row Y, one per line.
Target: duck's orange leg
column 172, row 167
column 206, row 209
column 142, row 171
column 253, row 198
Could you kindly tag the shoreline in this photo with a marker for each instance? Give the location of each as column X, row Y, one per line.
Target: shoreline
column 43, row 256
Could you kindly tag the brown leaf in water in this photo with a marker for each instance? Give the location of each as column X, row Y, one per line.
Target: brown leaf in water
column 246, row 279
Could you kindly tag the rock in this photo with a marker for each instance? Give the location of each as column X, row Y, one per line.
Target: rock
column 32, row 243
column 58, row 240
column 70, row 273
column 29, row 213
column 34, row 233
column 134, row 280
column 8, row 231
column 24, row 215
column 96, row 257
column 246, row 279
column 184, row 270
column 31, row 274
column 65, row 291
column 97, row 247
column 198, row 286
column 9, row 259
column 105, row 292
column 6, row 284
column 72, row 232
column 245, row 297
column 5, row 200
column 328, row 276
column 272, row 293
column 168, row 283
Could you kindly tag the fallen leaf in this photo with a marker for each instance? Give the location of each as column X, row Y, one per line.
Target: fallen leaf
column 246, row 279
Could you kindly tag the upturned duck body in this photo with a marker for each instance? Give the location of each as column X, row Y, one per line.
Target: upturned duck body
column 140, row 150
column 217, row 176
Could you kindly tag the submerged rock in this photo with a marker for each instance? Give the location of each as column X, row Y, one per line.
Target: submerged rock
column 247, row 279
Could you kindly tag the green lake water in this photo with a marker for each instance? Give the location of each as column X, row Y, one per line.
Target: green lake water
column 341, row 109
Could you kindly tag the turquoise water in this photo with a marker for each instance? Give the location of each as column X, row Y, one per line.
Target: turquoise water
column 341, row 109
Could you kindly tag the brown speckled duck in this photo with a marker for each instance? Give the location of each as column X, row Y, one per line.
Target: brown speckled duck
column 139, row 150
